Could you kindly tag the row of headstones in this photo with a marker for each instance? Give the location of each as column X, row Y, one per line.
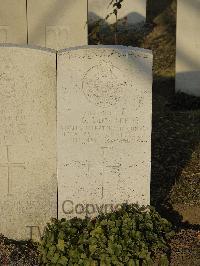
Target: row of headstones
column 93, row 144
column 102, row 145
column 53, row 24
column 59, row 24
column 188, row 47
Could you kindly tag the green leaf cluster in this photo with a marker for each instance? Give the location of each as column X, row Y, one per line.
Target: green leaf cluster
column 130, row 236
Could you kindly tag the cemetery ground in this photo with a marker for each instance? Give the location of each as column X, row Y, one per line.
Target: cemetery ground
column 175, row 181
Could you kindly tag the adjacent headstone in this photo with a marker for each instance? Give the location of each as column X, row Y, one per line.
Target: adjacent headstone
column 57, row 24
column 103, row 128
column 188, row 47
column 131, row 13
column 28, row 186
column 13, row 23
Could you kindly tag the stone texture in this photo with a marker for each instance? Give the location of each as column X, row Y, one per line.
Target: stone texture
column 104, row 128
column 134, row 10
column 57, row 24
column 28, row 186
column 188, row 47
column 13, row 24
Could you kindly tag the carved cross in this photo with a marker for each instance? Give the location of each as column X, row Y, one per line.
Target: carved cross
column 10, row 165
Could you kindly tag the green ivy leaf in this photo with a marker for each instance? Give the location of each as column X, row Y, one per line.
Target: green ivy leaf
column 92, row 248
column 164, row 261
column 63, row 261
column 55, row 258
column 61, row 245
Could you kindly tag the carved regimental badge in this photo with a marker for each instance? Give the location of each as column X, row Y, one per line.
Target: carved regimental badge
column 103, row 85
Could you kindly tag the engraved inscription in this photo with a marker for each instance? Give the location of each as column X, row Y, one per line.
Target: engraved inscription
column 9, row 165
column 95, row 127
column 197, row 34
column 3, row 34
column 14, row 126
column 103, row 151
column 34, row 232
column 104, row 127
column 197, row 40
column 108, row 165
column 102, row 85
column 13, row 116
column 57, row 36
column 5, row 90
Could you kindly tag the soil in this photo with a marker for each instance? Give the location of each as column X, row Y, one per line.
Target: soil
column 175, row 186
column 175, row 178
column 15, row 253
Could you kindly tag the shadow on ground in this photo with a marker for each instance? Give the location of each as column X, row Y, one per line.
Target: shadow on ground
column 175, row 142
column 176, row 119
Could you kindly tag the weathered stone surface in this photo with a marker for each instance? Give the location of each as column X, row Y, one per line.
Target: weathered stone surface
column 13, row 24
column 28, row 186
column 57, row 24
column 104, row 128
column 188, row 47
column 131, row 13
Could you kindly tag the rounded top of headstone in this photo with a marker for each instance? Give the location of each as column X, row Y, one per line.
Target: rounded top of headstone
column 119, row 48
column 28, row 47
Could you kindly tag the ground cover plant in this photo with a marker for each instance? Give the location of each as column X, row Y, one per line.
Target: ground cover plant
column 130, row 236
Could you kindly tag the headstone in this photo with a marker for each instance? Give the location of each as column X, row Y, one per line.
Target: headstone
column 13, row 23
column 57, row 24
column 131, row 13
column 188, row 47
column 103, row 128
column 28, row 187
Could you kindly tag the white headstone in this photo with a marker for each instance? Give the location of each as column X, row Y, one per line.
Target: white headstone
column 104, row 128
column 28, row 187
column 13, row 24
column 188, row 47
column 132, row 11
column 57, row 24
